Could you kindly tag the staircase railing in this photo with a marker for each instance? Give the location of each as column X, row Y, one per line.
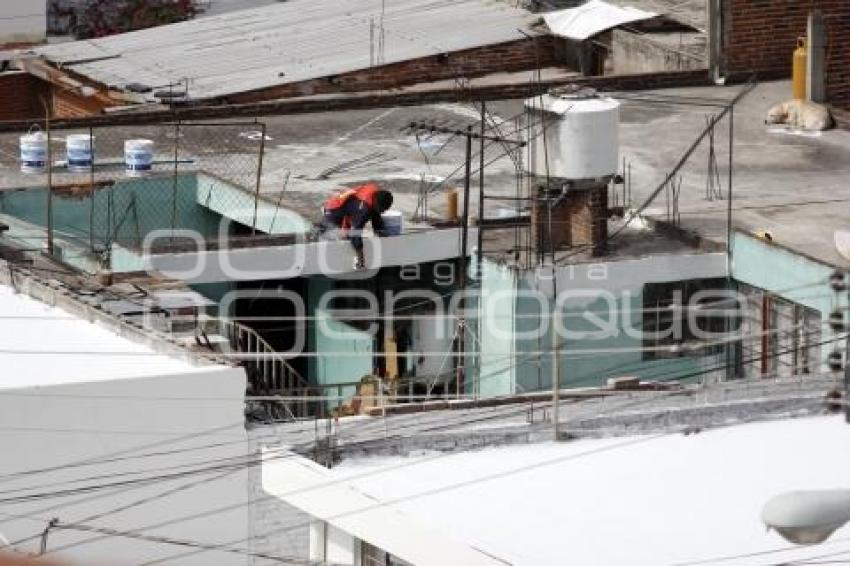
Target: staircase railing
column 269, row 371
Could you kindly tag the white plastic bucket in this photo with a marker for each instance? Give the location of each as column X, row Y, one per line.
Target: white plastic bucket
column 78, row 150
column 393, row 223
column 34, row 153
column 138, row 157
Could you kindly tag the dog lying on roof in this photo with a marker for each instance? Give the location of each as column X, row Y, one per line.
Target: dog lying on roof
column 800, row 115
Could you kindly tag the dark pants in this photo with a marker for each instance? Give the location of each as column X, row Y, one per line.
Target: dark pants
column 357, row 214
column 331, row 220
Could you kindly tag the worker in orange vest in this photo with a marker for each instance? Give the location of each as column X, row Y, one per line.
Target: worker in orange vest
column 350, row 211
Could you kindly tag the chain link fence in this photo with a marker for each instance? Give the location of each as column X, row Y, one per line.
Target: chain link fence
column 188, row 178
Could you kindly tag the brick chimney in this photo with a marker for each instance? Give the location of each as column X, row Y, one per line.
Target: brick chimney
column 579, row 217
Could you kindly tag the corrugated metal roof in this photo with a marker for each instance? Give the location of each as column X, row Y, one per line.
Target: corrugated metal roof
column 291, row 42
column 592, row 18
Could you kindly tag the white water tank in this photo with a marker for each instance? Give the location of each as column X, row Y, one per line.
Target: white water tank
column 573, row 136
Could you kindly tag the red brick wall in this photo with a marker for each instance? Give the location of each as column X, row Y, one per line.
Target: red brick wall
column 20, row 96
column 517, row 55
column 759, row 36
column 579, row 219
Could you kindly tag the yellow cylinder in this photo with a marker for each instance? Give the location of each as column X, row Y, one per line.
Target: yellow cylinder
column 451, row 204
column 798, row 74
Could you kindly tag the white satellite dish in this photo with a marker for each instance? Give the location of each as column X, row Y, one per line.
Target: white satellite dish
column 842, row 243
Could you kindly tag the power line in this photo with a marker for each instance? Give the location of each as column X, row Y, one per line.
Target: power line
column 735, row 557
column 438, row 456
column 199, row 515
column 230, row 507
column 188, row 543
column 438, row 490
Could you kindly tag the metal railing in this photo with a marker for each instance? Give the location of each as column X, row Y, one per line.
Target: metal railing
column 269, row 372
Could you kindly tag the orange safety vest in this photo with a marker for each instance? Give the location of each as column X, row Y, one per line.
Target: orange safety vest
column 364, row 193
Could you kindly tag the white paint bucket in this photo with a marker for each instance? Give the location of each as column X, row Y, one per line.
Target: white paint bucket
column 34, row 153
column 138, row 157
column 393, row 223
column 78, row 149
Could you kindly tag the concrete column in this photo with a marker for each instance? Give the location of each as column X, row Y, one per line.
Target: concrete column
column 815, row 69
column 329, row 544
column 318, row 542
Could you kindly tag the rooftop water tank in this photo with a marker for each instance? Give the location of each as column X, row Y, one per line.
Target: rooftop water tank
column 581, row 139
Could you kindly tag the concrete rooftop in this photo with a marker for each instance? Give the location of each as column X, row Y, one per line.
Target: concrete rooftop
column 793, row 184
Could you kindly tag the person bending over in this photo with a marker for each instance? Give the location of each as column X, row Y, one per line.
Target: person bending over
column 350, row 211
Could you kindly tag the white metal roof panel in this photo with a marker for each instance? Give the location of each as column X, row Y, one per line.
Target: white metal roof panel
column 592, row 18
column 289, row 42
column 311, row 488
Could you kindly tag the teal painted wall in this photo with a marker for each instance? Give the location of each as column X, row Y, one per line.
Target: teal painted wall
column 781, row 272
column 238, row 205
column 342, row 358
column 786, row 275
column 589, row 361
column 496, row 332
column 524, row 362
column 123, row 214
column 136, row 208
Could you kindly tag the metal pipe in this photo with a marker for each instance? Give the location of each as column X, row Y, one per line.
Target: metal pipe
column 174, row 180
column 47, row 110
column 556, row 371
column 259, row 176
column 461, row 369
column 730, row 371
column 480, row 255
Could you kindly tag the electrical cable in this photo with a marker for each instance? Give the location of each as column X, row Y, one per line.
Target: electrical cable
column 443, row 426
column 229, row 507
column 190, row 543
column 442, row 489
column 230, row 459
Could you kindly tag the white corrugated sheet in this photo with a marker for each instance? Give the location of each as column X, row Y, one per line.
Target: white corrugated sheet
column 288, row 42
column 592, row 18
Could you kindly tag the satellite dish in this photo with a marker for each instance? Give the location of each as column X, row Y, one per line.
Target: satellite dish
column 842, row 243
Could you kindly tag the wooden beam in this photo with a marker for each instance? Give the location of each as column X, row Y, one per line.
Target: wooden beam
column 43, row 70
